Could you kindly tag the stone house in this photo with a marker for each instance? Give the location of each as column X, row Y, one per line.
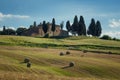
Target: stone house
column 38, row 31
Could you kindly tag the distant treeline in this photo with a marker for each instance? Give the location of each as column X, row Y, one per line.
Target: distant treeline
column 78, row 27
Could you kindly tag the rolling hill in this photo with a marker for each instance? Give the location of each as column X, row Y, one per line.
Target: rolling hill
column 47, row 64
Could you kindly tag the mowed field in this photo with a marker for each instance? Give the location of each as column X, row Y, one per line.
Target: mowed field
column 47, row 64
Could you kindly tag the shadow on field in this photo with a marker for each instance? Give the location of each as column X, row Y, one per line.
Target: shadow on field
column 65, row 67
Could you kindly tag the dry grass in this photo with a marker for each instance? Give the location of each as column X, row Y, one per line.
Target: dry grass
column 27, row 76
column 47, row 64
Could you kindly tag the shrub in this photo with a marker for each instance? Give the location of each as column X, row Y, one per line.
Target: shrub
column 46, row 35
column 106, row 37
column 26, row 60
column 67, row 53
column 61, row 53
column 71, row 64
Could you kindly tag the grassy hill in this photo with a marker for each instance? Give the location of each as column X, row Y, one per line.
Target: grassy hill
column 74, row 43
column 47, row 64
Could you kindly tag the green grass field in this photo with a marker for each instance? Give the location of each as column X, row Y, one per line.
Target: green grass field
column 74, row 43
column 47, row 64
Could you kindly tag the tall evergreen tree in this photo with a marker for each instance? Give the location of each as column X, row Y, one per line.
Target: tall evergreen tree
column 75, row 25
column 98, row 28
column 53, row 26
column 91, row 28
column 4, row 31
column 81, row 27
column 68, row 26
column 4, row 28
column 34, row 24
column 45, row 27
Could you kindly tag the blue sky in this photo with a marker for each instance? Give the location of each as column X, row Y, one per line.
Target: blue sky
column 22, row 13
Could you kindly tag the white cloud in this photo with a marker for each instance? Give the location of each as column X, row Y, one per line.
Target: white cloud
column 114, row 23
column 1, row 28
column 6, row 16
column 112, row 34
column 12, row 28
column 22, row 26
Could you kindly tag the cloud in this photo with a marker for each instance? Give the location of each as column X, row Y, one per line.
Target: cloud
column 1, row 28
column 112, row 34
column 12, row 28
column 6, row 16
column 114, row 23
column 22, row 27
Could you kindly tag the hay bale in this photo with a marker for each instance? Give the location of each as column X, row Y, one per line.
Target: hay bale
column 71, row 64
column 109, row 52
column 67, row 53
column 28, row 65
column 26, row 60
column 84, row 51
column 61, row 53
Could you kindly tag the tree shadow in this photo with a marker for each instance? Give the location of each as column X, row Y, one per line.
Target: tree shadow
column 66, row 67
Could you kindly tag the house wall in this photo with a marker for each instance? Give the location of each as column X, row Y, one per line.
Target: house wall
column 38, row 31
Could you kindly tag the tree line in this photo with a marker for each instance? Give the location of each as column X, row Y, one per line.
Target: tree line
column 78, row 27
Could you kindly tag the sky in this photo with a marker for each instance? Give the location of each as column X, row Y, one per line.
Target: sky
column 22, row 13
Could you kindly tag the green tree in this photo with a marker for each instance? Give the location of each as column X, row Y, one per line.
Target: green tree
column 68, row 26
column 4, row 28
column 74, row 27
column 98, row 28
column 20, row 30
column 91, row 28
column 53, row 26
column 81, row 27
column 106, row 37
column 4, row 31
column 45, row 27
column 10, row 31
column 34, row 24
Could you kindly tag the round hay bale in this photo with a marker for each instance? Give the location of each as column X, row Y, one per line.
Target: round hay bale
column 26, row 60
column 109, row 52
column 71, row 64
column 61, row 53
column 67, row 53
column 84, row 51
column 28, row 65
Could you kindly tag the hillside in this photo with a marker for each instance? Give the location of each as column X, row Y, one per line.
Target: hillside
column 47, row 64
column 74, row 43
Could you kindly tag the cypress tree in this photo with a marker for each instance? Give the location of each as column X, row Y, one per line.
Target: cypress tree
column 34, row 24
column 98, row 28
column 45, row 27
column 68, row 27
column 4, row 28
column 75, row 25
column 82, row 26
column 4, row 31
column 53, row 26
column 91, row 28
